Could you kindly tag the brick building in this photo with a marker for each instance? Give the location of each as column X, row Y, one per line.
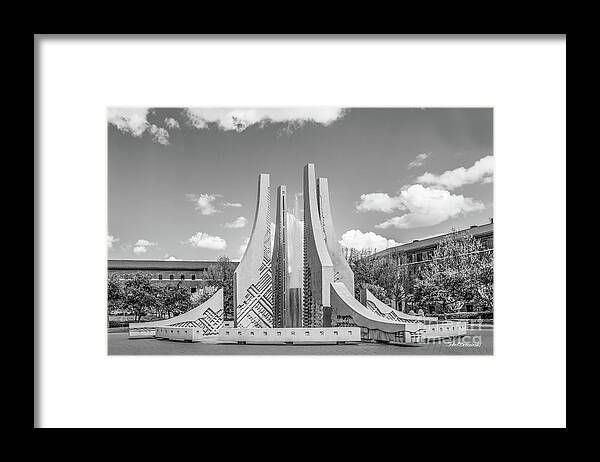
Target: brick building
column 420, row 250
column 414, row 254
column 192, row 274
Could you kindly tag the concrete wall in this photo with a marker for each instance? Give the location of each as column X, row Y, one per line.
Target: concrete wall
column 300, row 335
column 444, row 330
column 183, row 334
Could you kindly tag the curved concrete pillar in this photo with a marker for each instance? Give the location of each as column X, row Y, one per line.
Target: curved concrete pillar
column 341, row 269
column 348, row 310
column 252, row 280
column 382, row 323
column 208, row 315
column 371, row 302
column 318, row 267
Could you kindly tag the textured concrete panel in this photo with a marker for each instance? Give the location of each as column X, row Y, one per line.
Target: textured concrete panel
column 207, row 316
column 252, row 281
column 318, row 267
column 280, row 261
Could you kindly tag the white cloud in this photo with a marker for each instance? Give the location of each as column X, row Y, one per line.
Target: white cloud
column 356, row 239
column 171, row 258
column 239, row 222
column 135, row 122
column 110, row 240
column 129, row 120
column 171, row 123
column 481, row 171
column 428, row 206
column 206, row 241
column 204, row 203
column 419, row 160
column 232, row 204
column 141, row 246
column 240, row 119
column 145, row 242
column 159, row 134
column 379, row 202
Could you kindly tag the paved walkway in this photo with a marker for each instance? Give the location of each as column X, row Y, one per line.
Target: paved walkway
column 477, row 342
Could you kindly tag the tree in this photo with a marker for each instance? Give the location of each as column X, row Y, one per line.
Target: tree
column 174, row 300
column 115, row 294
column 460, row 271
column 139, row 295
column 392, row 275
column 364, row 268
column 384, row 277
column 202, row 295
column 220, row 274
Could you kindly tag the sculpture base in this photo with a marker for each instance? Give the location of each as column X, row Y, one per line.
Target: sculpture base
column 295, row 336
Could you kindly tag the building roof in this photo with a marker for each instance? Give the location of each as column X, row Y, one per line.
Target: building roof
column 417, row 244
column 162, row 265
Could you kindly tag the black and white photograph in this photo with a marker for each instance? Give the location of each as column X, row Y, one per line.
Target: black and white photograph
column 305, row 230
column 299, row 231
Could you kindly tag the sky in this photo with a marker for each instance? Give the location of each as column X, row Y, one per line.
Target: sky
column 182, row 182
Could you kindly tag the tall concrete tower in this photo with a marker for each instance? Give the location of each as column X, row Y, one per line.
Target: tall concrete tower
column 280, row 261
column 318, row 266
column 252, row 281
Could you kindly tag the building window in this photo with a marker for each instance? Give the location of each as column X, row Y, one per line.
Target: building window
column 182, row 277
column 160, row 277
column 193, row 277
column 171, row 277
